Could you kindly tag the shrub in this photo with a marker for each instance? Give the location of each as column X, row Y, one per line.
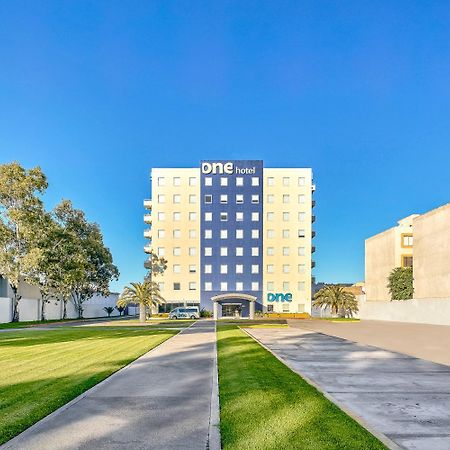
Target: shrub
column 109, row 310
column 400, row 283
column 205, row 313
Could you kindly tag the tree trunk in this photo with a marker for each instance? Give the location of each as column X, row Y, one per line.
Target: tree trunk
column 142, row 312
column 16, row 298
column 64, row 308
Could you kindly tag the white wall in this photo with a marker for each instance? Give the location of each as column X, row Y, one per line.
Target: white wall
column 432, row 311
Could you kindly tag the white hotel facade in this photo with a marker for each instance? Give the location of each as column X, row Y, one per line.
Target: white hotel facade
column 237, row 236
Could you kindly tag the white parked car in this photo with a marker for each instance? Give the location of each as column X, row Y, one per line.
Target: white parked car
column 188, row 312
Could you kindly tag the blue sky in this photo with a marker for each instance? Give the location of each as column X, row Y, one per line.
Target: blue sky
column 98, row 92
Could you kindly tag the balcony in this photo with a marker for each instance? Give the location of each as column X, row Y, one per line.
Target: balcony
column 313, row 249
column 313, row 264
column 313, row 187
column 148, row 233
column 313, row 234
column 313, row 218
column 148, row 218
column 147, row 248
column 313, row 203
column 147, row 264
column 148, row 204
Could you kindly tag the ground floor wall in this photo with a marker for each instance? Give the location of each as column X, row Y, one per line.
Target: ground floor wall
column 434, row 311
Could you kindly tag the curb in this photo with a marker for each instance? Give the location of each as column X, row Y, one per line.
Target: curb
column 214, row 419
column 380, row 436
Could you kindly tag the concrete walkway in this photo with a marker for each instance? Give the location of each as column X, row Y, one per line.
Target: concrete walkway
column 404, row 398
column 160, row 401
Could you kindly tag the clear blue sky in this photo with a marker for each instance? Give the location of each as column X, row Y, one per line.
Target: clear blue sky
column 98, row 92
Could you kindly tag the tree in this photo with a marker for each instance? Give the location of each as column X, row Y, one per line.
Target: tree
column 121, row 309
column 156, row 266
column 109, row 310
column 340, row 301
column 21, row 210
column 145, row 294
column 400, row 283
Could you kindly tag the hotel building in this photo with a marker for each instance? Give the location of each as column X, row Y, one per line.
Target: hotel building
column 237, row 236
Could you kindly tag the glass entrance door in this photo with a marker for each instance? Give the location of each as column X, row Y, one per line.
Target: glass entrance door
column 232, row 310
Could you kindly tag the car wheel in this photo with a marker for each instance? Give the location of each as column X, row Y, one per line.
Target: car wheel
column 174, row 317
column 192, row 317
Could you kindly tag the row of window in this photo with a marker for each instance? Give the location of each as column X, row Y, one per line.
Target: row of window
column 239, row 268
column 239, row 234
column 286, row 181
column 270, row 216
column 239, row 198
column 238, row 286
column 238, row 251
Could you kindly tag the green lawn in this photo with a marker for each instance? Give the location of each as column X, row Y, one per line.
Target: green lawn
column 264, row 405
column 42, row 370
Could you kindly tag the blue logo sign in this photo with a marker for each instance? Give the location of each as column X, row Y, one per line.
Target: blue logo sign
column 279, row 297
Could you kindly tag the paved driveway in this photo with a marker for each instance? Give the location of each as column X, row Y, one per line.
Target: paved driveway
column 160, row 401
column 404, row 398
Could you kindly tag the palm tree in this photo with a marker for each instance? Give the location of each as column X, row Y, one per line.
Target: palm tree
column 147, row 294
column 341, row 302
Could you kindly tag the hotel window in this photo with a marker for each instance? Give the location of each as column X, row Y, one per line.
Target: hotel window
column 239, row 217
column 176, row 216
column 239, row 251
column 239, row 199
column 208, row 199
column 239, row 234
column 161, row 233
column 255, row 234
column 255, row 251
column 255, row 198
column 407, row 261
column 192, row 286
column 161, row 198
column 177, row 198
column 270, row 251
column 208, row 251
column 223, row 234
column 270, row 234
column 161, row 216
column 224, row 181
column 286, row 217
column 223, row 268
column 255, row 216
column 270, row 216
column 407, row 240
column 270, row 181
column 301, row 285
column 176, row 234
column 208, row 216
column 285, row 198
column 224, row 199
column 301, row 268
column 176, row 268
column 161, row 181
column 270, row 285
column 255, row 286
column 161, row 285
column 192, row 198
column 270, row 268
column 286, row 286
column 255, row 181
column 239, row 268
column 176, row 286
column 176, row 181
column 192, row 216
column 255, row 268
column 176, row 251
column 223, row 286
column 301, row 251
column 301, row 181
column 285, row 181
column 286, row 268
column 192, row 251
column 161, row 251
column 223, row 251
column 285, row 251
column 208, row 268
column 192, row 181
column 301, row 216
column 285, row 307
column 301, row 198
column 192, row 268
column 223, row 216
column 192, row 234
column 301, row 233
column 208, row 286
column 286, row 234
column 208, row 181
column 270, row 198
column 239, row 286
column 239, row 181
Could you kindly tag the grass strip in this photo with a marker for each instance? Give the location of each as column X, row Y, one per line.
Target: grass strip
column 60, row 365
column 265, row 405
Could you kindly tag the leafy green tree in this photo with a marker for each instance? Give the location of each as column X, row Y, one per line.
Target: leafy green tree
column 156, row 266
column 400, row 283
column 21, row 211
column 109, row 310
column 341, row 302
column 121, row 309
column 144, row 294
